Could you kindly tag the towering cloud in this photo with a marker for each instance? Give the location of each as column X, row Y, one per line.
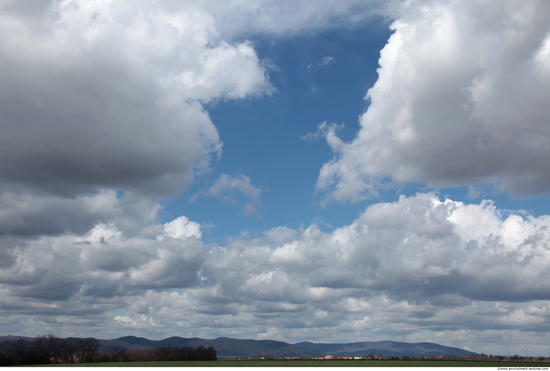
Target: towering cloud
column 461, row 98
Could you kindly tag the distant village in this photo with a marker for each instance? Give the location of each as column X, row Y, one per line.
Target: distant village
column 472, row 357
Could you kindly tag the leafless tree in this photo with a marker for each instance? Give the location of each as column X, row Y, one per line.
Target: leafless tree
column 86, row 349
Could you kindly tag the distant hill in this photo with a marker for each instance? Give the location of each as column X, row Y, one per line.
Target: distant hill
column 15, row 338
column 385, row 348
column 133, row 341
column 226, row 347
column 229, row 347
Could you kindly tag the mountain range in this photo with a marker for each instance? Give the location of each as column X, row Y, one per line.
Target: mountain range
column 384, row 348
column 229, row 347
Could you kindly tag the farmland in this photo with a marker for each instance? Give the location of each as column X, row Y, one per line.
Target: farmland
column 315, row 363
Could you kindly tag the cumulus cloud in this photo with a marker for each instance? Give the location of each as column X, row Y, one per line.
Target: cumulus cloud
column 400, row 270
column 416, row 264
column 109, row 95
column 182, row 227
column 30, row 214
column 460, row 100
column 100, row 98
column 104, row 97
column 103, row 263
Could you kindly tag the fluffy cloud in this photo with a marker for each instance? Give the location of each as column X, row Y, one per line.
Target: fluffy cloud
column 108, row 95
column 416, row 269
column 400, row 268
column 460, row 99
column 70, row 270
column 100, row 97
column 182, row 227
column 104, row 96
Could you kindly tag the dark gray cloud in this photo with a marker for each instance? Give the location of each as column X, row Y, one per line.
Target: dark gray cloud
column 99, row 98
column 105, row 98
column 74, row 126
column 24, row 213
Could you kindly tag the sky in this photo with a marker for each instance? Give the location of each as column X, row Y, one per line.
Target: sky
column 326, row 171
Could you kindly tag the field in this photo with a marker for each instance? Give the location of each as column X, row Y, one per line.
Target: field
column 315, row 363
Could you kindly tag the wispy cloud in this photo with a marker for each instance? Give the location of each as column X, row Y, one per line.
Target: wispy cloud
column 227, row 188
column 326, row 61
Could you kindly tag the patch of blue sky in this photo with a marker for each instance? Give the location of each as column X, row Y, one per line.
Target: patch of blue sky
column 321, row 78
column 263, row 137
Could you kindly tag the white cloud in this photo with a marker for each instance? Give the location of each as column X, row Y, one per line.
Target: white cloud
column 399, row 269
column 182, row 227
column 406, row 266
column 114, row 101
column 460, row 100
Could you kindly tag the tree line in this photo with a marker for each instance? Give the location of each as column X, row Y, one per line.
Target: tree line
column 49, row 348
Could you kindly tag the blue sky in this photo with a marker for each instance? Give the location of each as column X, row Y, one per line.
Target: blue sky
column 328, row 171
column 263, row 137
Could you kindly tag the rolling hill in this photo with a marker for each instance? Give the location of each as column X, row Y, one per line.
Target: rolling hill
column 386, row 348
column 229, row 347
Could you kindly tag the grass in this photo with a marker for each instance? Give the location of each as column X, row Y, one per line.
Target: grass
column 314, row 363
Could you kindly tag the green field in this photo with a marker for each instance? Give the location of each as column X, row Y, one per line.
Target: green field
column 314, row 363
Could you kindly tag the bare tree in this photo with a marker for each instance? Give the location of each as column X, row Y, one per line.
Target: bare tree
column 67, row 350
column 86, row 349
column 46, row 347
column 119, row 354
